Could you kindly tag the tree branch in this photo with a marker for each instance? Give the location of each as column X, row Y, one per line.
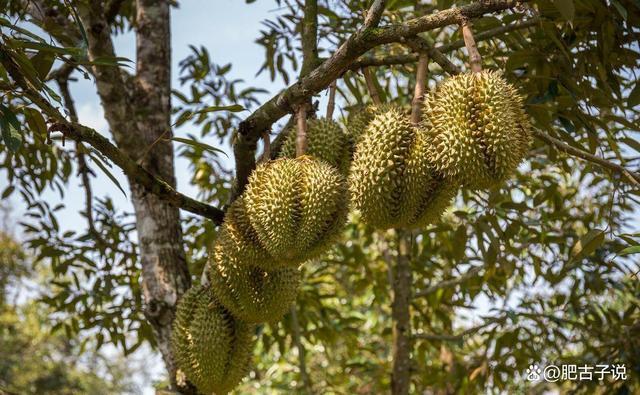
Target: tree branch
column 445, row 284
column 412, row 58
column 297, row 341
column 374, row 14
column 632, row 177
column 371, row 86
column 461, row 335
column 331, row 104
column 421, row 45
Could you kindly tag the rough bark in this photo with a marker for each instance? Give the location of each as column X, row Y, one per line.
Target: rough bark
column 165, row 276
column 401, row 316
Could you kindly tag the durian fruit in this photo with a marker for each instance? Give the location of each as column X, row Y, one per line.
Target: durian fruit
column 325, row 140
column 297, row 208
column 359, row 118
column 211, row 348
column 239, row 237
column 477, row 128
column 391, row 182
column 249, row 292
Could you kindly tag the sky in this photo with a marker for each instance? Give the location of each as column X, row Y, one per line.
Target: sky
column 228, row 29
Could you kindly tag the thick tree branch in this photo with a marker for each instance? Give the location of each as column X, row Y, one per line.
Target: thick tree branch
column 375, row 14
column 317, row 80
column 309, row 37
column 412, row 58
column 631, row 176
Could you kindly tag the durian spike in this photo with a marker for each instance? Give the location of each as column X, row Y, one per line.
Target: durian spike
column 371, row 86
column 418, row 94
column 301, row 134
column 475, row 60
column 331, row 105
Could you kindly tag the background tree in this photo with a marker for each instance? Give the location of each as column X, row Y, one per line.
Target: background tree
column 540, row 269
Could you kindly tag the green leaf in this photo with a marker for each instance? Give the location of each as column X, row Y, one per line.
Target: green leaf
column 232, row 108
column 630, row 250
column 199, row 144
column 42, row 62
column 35, row 120
column 566, row 8
column 621, row 9
column 107, row 172
column 10, row 128
column 634, row 97
column 587, row 244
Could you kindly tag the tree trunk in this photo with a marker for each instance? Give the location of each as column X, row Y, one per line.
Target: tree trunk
column 401, row 351
column 138, row 110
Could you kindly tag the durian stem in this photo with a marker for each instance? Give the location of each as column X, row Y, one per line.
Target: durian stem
column 266, row 151
column 371, row 86
column 297, row 340
column 418, row 94
column 475, row 60
column 401, row 315
column 331, row 105
column 301, row 135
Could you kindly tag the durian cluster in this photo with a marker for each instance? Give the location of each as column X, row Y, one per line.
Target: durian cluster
column 473, row 134
column 291, row 211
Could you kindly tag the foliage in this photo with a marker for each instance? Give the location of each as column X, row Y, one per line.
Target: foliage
column 35, row 359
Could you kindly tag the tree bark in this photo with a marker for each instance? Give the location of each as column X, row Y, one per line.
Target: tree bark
column 401, row 316
column 135, row 128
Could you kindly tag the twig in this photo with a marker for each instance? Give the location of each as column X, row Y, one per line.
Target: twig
column 449, row 283
column 331, row 104
column 421, row 45
column 445, row 48
column 475, row 60
column 301, row 133
column 632, row 177
column 418, row 94
column 371, row 86
column 461, row 335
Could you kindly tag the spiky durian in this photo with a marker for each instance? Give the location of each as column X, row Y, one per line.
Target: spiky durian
column 391, row 182
column 240, row 238
column 359, row 118
column 297, row 208
column 325, row 140
column 211, row 348
column 249, row 292
column 477, row 128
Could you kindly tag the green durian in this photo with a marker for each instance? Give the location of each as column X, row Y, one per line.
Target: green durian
column 325, row 140
column 249, row 292
column 297, row 208
column 240, row 238
column 477, row 128
column 211, row 348
column 391, row 181
column 359, row 118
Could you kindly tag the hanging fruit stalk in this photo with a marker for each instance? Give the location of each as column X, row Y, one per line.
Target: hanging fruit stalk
column 371, row 86
column 332, row 99
column 475, row 60
column 301, row 133
column 418, row 94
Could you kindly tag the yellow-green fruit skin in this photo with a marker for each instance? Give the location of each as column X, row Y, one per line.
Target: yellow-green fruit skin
column 391, row 181
column 250, row 293
column 325, row 141
column 239, row 237
column 297, row 208
column 359, row 118
column 211, row 348
column 478, row 129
